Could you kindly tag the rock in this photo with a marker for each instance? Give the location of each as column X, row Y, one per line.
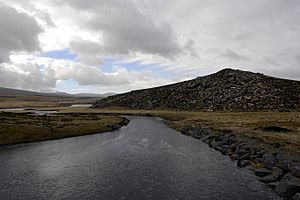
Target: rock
column 243, row 163
column 273, row 185
column 269, row 179
column 269, row 160
column 259, row 160
column 197, row 133
column 283, row 160
column 278, row 172
column 294, row 168
column 187, row 129
column 288, row 186
column 234, row 156
column 260, row 153
column 218, row 148
column 227, row 138
column 262, row 172
column 245, row 156
column 253, row 156
column 241, row 152
column 114, row 127
column 296, row 196
column 275, row 176
column 233, row 146
column 218, row 144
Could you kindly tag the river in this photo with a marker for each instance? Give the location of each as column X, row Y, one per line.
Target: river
column 144, row 160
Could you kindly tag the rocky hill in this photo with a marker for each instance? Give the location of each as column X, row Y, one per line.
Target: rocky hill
column 227, row 89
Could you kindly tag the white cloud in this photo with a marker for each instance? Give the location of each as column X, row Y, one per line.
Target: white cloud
column 18, row 32
column 183, row 38
column 120, row 79
column 27, row 76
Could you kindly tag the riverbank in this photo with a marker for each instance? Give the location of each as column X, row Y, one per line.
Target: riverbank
column 266, row 142
column 24, row 127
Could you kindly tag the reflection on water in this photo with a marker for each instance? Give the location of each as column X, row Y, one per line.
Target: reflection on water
column 30, row 111
column 145, row 160
column 81, row 105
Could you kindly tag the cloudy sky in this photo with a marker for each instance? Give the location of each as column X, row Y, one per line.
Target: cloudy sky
column 116, row 45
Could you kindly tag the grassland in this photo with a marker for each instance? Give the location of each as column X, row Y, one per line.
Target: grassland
column 42, row 101
column 244, row 124
column 16, row 128
column 20, row 127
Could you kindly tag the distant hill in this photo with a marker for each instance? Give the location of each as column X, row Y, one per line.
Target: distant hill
column 5, row 92
column 227, row 89
column 22, row 98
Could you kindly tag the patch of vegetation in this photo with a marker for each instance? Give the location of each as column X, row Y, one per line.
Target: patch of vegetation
column 20, row 127
column 243, row 124
column 80, row 121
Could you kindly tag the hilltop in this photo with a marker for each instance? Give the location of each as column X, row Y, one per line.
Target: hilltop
column 227, row 89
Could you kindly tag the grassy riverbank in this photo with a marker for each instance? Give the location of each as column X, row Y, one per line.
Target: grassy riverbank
column 245, row 124
column 21, row 128
column 18, row 128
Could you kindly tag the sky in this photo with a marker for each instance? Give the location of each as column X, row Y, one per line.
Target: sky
column 89, row 46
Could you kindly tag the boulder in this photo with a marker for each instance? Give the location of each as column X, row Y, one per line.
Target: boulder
column 253, row 156
column 259, row 160
column 275, row 176
column 234, row 156
column 197, row 133
column 295, row 169
column 261, row 153
column 273, row 185
column 283, row 160
column 288, row 186
column 296, row 196
column 262, row 172
column 114, row 127
column 245, row 156
column 269, row 179
column 241, row 151
column 187, row 129
column 243, row 163
column 269, row 160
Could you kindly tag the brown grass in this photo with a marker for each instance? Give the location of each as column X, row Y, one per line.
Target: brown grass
column 19, row 127
column 43, row 101
column 244, row 124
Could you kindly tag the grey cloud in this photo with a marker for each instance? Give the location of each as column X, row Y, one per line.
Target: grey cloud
column 88, row 52
column 125, row 29
column 230, row 54
column 28, row 77
column 19, row 32
column 86, row 75
column 271, row 61
column 120, row 79
column 282, row 71
column 191, row 49
column 298, row 59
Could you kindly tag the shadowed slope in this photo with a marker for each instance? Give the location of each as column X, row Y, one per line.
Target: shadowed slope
column 227, row 89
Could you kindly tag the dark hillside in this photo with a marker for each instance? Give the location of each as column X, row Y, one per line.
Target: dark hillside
column 227, row 89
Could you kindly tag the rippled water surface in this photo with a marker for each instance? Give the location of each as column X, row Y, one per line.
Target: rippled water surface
column 145, row 160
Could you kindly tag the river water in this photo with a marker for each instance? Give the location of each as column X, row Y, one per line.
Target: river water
column 144, row 160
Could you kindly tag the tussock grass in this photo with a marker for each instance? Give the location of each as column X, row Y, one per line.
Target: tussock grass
column 20, row 128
